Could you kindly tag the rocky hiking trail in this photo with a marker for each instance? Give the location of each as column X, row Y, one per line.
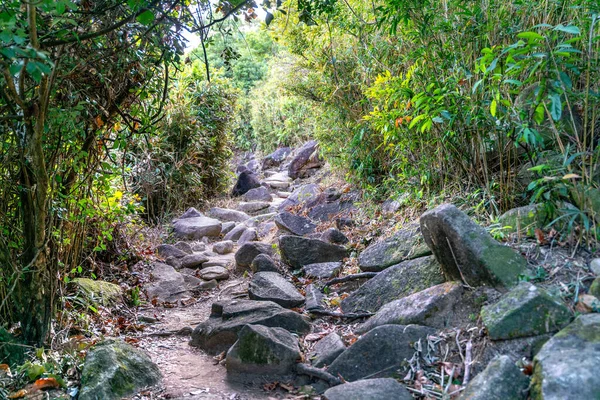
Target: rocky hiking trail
column 275, row 296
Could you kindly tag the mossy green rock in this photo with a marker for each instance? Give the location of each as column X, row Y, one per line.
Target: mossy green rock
column 525, row 311
column 394, row 283
column 567, row 365
column 263, row 350
column 467, row 252
column 524, row 220
column 99, row 291
column 406, row 244
column 595, row 288
column 115, row 369
column 500, row 380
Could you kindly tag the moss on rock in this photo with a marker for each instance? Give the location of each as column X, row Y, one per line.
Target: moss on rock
column 98, row 291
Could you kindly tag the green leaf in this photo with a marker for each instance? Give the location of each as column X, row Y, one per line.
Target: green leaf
column 493, row 107
column 555, row 106
column 530, row 36
column 145, row 18
column 572, row 29
column 538, row 115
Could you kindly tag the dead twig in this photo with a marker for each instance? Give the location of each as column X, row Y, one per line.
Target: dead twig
column 314, row 372
column 340, row 315
column 347, row 278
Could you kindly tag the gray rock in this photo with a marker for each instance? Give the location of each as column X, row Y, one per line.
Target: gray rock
column 185, row 247
column 314, row 298
column 265, row 228
column 525, row 311
column 196, row 227
column 595, row 266
column 246, row 180
column 467, row 252
column 228, row 215
column 198, row 247
column 252, row 207
column 272, row 286
column 220, row 331
column 193, row 260
column 322, row 270
column 394, row 283
column 224, row 247
column 168, row 285
column 216, row 273
column 227, row 227
column 215, row 263
column 294, row 224
column 246, row 254
column 524, row 219
column 97, row 291
column 276, row 158
column 258, row 194
column 369, row 389
column 173, row 262
column 191, row 213
column 431, row 307
column 567, row 365
column 379, row 353
column 405, row 244
column 263, row 350
column 297, row 251
column 236, row 232
column 390, row 206
column 326, row 212
column 307, row 195
column 333, row 235
column 249, row 235
column 263, row 263
column 501, row 380
column 306, row 161
column 168, row 250
column 327, row 350
column 113, row 370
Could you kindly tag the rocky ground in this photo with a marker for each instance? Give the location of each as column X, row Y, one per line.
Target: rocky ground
column 277, row 296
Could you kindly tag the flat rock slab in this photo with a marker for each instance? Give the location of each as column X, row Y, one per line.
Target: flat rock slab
column 169, row 250
column 430, row 307
column 500, row 380
column 525, row 311
column 228, row 215
column 252, row 207
column 263, row 350
column 236, row 232
column 113, row 370
column 246, row 254
column 258, row 194
column 327, row 350
column 272, row 286
column 196, row 227
column 406, row 244
column 216, row 272
column 394, row 283
column 224, row 247
column 369, row 389
column 193, row 260
column 306, row 195
column 169, row 285
column 467, row 252
column 379, row 353
column 325, row 212
column 567, row 365
column 220, row 331
column 294, row 224
column 322, row 270
column 297, row 251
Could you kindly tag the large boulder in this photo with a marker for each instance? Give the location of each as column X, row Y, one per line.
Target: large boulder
column 168, row 285
column 298, row 251
column 369, row 389
column 220, row 331
column 263, row 350
column 258, row 194
column 224, row 247
column 379, row 353
column 246, row 254
column 228, row 215
column 97, row 291
column 327, row 350
column 431, row 307
column 246, row 180
column 525, row 311
column 307, row 195
column 294, row 224
column 306, row 161
column 196, row 227
column 405, row 244
column 524, row 219
column 567, row 365
column 263, row 263
column 276, row 158
column 274, row 287
column 394, row 283
column 501, row 380
column 113, row 370
column 467, row 252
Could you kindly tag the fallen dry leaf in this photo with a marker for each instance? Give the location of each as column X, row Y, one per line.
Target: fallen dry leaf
column 18, row 395
column 46, row 383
